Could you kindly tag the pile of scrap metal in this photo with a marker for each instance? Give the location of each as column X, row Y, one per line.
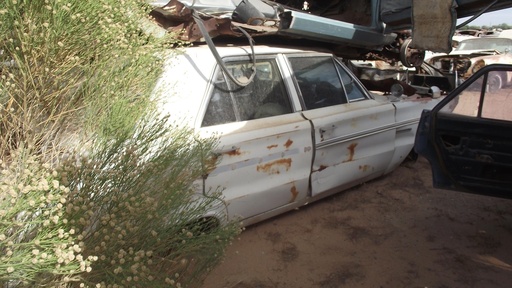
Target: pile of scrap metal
column 352, row 29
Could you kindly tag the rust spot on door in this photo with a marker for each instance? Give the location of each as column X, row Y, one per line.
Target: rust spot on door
column 294, row 193
column 365, row 168
column 275, row 167
column 351, row 152
column 235, row 152
column 272, row 146
column 288, row 143
column 322, row 167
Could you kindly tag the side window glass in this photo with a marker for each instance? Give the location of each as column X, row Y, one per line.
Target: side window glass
column 265, row 96
column 318, row 81
column 497, row 98
column 220, row 108
column 352, row 88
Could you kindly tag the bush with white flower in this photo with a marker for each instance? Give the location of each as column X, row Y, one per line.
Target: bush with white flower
column 94, row 191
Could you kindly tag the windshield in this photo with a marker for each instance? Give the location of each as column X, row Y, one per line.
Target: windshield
column 498, row 44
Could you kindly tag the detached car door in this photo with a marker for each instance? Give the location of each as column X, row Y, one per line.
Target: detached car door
column 354, row 135
column 467, row 138
column 265, row 145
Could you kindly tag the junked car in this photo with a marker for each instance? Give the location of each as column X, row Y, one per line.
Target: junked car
column 467, row 137
column 294, row 124
column 474, row 53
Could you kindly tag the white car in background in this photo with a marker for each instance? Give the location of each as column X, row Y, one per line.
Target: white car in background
column 474, row 53
column 295, row 125
column 456, row 39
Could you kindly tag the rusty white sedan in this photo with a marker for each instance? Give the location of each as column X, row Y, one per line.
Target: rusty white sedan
column 295, row 125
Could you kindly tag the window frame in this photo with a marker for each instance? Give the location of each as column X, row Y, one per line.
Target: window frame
column 337, row 66
column 365, row 93
column 480, row 90
column 274, row 61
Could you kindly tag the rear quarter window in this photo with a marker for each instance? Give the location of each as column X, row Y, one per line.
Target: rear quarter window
column 324, row 82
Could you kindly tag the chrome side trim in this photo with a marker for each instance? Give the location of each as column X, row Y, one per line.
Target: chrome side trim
column 355, row 136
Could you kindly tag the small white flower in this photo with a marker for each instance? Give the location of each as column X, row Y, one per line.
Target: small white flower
column 10, row 269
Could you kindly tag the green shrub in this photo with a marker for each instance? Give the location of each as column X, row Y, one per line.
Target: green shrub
column 136, row 207
column 95, row 191
column 36, row 243
column 71, row 66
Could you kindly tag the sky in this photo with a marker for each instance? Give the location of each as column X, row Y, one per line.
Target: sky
column 491, row 18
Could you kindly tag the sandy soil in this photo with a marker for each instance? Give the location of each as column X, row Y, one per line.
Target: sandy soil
column 396, row 231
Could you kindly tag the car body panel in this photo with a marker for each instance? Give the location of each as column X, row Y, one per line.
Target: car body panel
column 467, row 138
column 345, row 137
column 273, row 155
column 304, row 25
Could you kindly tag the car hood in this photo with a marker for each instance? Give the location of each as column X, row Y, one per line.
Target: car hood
column 475, row 52
column 467, row 54
column 493, row 59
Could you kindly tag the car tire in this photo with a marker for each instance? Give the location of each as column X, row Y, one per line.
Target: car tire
column 494, row 82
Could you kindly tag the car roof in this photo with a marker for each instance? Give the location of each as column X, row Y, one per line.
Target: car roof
column 228, row 48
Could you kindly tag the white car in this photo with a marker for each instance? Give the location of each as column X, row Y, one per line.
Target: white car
column 302, row 129
column 474, row 53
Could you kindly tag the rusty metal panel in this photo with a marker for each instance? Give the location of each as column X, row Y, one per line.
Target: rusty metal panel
column 264, row 164
column 346, row 138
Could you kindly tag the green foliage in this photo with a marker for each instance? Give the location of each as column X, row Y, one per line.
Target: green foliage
column 95, row 189
column 503, row 26
column 36, row 243
column 121, row 213
column 72, row 65
column 136, row 207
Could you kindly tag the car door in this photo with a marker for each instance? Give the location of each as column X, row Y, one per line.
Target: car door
column 467, row 138
column 265, row 145
column 354, row 134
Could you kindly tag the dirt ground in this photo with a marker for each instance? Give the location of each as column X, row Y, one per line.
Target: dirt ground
column 396, row 231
